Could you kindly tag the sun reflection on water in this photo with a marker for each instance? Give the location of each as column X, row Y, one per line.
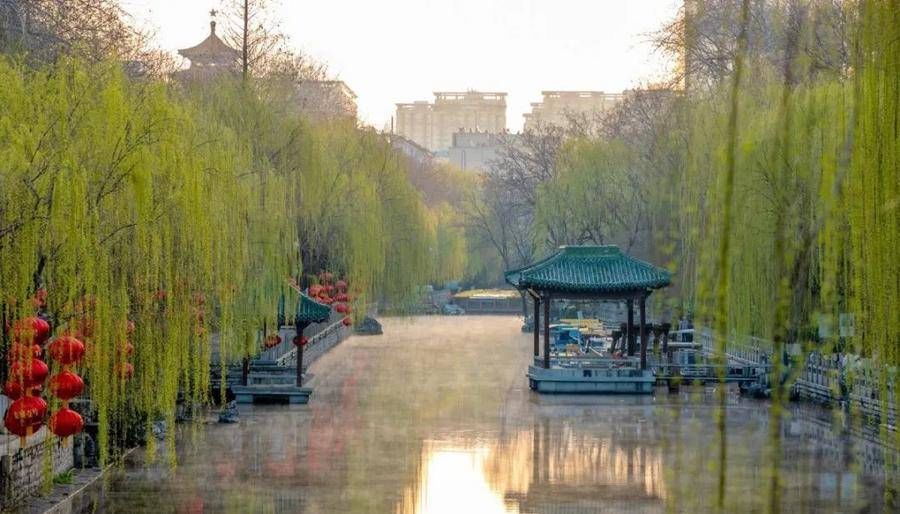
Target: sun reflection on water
column 501, row 476
column 453, row 480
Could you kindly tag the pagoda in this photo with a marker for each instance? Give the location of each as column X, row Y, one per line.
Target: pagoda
column 210, row 58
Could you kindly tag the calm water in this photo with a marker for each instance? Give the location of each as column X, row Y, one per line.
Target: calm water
column 436, row 417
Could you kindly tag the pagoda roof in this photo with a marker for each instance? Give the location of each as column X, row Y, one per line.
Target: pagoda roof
column 212, row 46
column 589, row 270
column 311, row 311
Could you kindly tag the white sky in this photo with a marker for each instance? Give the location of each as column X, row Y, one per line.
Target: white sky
column 391, row 51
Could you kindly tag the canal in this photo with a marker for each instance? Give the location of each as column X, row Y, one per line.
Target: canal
column 435, row 416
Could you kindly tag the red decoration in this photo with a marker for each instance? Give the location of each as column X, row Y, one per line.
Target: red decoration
column 272, row 340
column 66, row 350
column 341, row 308
column 300, row 340
column 33, row 330
column 66, row 385
column 30, row 374
column 39, row 300
column 25, row 415
column 341, row 297
column 126, row 348
column 85, row 328
column 341, row 285
column 314, row 290
column 347, row 321
column 126, row 370
column 66, row 422
column 12, row 389
column 21, row 352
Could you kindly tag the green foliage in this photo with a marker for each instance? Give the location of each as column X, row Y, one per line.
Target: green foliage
column 185, row 211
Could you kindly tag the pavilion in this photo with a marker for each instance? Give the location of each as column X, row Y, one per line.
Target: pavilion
column 589, row 273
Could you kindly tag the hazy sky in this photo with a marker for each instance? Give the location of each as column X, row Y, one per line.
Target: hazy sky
column 391, row 51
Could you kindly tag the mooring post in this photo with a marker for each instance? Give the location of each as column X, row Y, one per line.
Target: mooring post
column 536, row 326
column 546, row 302
column 644, row 341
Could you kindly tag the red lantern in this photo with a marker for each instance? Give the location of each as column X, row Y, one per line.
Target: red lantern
column 314, row 290
column 22, row 352
column 66, row 385
column 347, row 321
column 66, row 350
column 39, row 300
column 329, row 288
column 25, row 415
column 341, row 297
column 12, row 389
column 341, row 285
column 272, row 340
column 30, row 374
column 65, row 422
column 126, row 348
column 126, row 370
column 85, row 328
column 300, row 340
column 33, row 330
column 341, row 308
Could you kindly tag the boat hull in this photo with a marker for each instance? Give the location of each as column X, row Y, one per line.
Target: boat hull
column 560, row 380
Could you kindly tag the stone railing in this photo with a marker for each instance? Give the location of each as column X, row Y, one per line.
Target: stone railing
column 831, row 379
column 319, row 343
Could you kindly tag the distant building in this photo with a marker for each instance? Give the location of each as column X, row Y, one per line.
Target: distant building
column 210, row 58
column 556, row 106
column 473, row 151
column 414, row 122
column 326, row 99
column 414, row 151
column 432, row 125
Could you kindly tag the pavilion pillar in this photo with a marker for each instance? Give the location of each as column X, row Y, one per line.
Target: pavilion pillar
column 546, row 302
column 644, row 341
column 300, row 327
column 629, row 329
column 665, row 338
column 537, row 326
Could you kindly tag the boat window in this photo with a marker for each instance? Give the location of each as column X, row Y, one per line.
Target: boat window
column 587, row 372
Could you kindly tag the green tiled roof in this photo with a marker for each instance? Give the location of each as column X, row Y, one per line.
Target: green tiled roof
column 591, row 270
column 311, row 311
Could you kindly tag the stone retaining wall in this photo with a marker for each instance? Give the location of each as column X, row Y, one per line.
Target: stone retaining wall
column 22, row 470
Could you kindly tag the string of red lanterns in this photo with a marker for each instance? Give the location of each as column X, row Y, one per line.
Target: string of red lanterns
column 27, row 373
column 68, row 351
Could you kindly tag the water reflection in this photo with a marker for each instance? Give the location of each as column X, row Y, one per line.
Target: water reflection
column 436, row 416
column 522, row 471
column 452, row 480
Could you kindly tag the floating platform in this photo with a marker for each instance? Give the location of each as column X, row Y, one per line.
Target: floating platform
column 602, row 380
column 271, row 393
